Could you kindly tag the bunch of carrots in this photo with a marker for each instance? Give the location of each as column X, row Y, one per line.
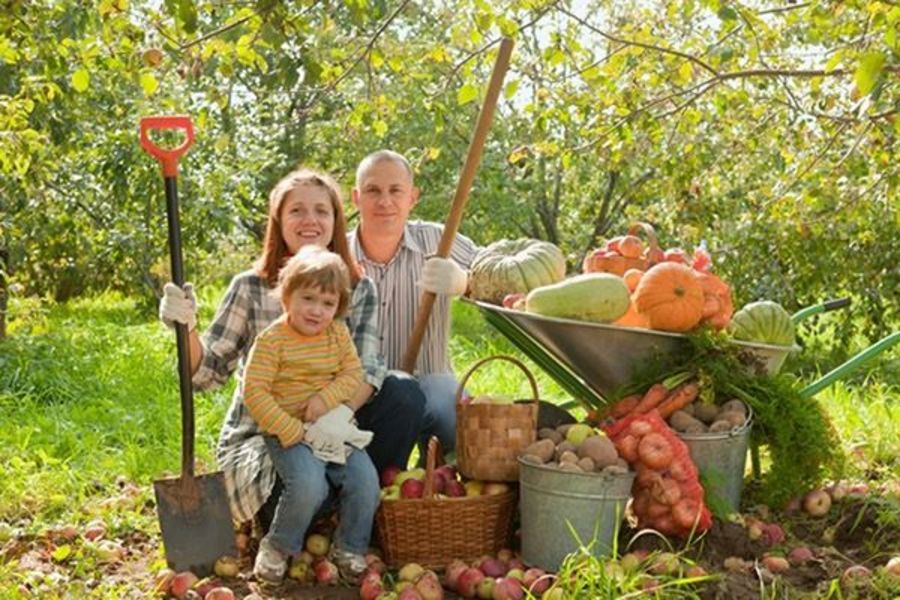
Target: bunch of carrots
column 665, row 398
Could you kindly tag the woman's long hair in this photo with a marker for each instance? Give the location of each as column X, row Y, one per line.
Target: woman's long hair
column 275, row 251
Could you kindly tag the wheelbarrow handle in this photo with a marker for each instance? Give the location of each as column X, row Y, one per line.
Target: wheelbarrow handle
column 168, row 157
column 805, row 313
column 850, row 365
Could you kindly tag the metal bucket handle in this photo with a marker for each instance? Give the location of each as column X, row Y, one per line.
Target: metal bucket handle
column 515, row 361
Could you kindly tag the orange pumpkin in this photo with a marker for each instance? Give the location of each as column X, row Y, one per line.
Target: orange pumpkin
column 671, row 296
column 632, row 318
column 717, row 309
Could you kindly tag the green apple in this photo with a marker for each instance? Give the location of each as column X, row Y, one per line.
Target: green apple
column 578, row 433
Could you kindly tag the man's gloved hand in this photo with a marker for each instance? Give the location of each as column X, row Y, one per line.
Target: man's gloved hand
column 443, row 276
column 178, row 306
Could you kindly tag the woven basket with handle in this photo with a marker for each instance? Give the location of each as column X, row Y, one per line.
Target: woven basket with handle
column 490, row 437
column 433, row 530
column 617, row 265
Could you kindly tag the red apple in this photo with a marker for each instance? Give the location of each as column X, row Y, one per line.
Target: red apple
column 412, row 488
column 507, row 588
column 536, row 581
column 219, row 593
column 181, row 583
column 676, row 255
column 468, row 582
column 454, row 489
column 409, row 593
column 775, row 564
column 492, row 567
column 326, row 572
column 630, row 246
column 370, row 587
column 163, row 581
column 205, row 585
column 389, row 474
column 773, row 533
column 817, row 503
column 800, row 555
column 452, row 573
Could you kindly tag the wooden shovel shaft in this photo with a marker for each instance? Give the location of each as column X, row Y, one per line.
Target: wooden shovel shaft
column 466, row 177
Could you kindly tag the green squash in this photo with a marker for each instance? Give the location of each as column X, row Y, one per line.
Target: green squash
column 600, row 297
column 765, row 322
column 514, row 267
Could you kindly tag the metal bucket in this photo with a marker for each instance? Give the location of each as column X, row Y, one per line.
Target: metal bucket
column 552, row 500
column 721, row 459
column 772, row 357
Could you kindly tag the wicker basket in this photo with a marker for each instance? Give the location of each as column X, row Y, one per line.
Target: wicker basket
column 490, row 437
column 433, row 531
column 619, row 264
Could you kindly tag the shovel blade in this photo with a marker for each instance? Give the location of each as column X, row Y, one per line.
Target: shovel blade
column 195, row 520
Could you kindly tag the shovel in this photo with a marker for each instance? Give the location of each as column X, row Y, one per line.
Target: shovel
column 194, row 515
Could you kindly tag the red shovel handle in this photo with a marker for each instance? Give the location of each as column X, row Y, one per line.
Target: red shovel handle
column 167, row 157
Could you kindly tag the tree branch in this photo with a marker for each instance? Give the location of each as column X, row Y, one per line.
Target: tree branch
column 701, row 63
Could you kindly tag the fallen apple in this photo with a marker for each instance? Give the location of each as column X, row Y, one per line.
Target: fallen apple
column 536, row 581
column 326, row 572
column 227, row 566
column 467, row 583
column 163, row 581
column 370, row 587
column 317, row 544
column 181, row 583
column 452, row 573
column 775, row 564
column 855, row 576
column 429, row 586
column 507, row 588
column 800, row 555
column 300, row 571
column 893, row 566
column 817, row 503
column 485, row 588
column 773, row 533
column 410, row 572
column 219, row 593
column 492, row 567
column 409, row 593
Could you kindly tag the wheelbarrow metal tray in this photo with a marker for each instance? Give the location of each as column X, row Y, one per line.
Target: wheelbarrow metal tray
column 608, row 357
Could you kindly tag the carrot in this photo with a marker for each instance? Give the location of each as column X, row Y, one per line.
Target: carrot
column 680, row 397
column 621, row 407
column 656, row 394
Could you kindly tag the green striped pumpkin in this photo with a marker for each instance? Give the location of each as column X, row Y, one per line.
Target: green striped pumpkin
column 765, row 322
column 514, row 266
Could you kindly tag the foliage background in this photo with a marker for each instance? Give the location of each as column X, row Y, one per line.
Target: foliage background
column 765, row 130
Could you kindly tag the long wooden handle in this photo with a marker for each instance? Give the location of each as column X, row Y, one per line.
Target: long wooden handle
column 466, row 177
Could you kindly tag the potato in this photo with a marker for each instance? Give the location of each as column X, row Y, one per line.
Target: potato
column 736, row 419
column 614, row 470
column 543, row 449
column 561, row 448
column 696, row 428
column 586, row 464
column 570, row 466
column 689, row 409
column 706, row 412
column 681, row 421
column 568, row 457
column 532, row 459
column 735, row 405
column 564, row 429
column 600, row 449
column 548, row 433
column 721, row 426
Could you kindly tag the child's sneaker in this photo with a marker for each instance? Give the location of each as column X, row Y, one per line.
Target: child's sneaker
column 270, row 564
column 349, row 565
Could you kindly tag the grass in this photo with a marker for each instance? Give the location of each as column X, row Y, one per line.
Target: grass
column 89, row 397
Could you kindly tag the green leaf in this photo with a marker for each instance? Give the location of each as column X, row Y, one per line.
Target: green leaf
column 61, row 553
column 149, row 83
column 511, row 88
column 380, row 128
column 684, row 72
column 726, row 13
column 80, row 80
column 870, row 65
column 466, row 94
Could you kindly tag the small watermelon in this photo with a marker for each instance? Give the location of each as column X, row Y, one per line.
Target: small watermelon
column 765, row 322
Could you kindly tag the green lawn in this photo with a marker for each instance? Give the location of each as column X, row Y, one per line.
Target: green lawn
column 89, row 399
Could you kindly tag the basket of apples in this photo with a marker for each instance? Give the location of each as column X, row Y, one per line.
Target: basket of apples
column 491, row 431
column 622, row 253
column 432, row 517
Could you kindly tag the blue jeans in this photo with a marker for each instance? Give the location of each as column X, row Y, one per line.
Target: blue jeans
column 307, row 482
column 440, row 409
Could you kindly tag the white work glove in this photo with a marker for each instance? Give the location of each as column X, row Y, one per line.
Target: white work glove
column 443, row 276
column 359, row 438
column 178, row 306
column 323, row 447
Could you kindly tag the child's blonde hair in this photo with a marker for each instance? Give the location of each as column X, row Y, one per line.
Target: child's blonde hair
column 316, row 267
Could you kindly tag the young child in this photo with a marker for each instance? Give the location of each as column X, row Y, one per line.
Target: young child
column 299, row 372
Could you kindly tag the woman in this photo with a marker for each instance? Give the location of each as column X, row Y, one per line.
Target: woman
column 304, row 208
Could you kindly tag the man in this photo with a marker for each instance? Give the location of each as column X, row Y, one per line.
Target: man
column 395, row 253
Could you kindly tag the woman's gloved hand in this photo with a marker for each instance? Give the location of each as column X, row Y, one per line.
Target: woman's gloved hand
column 178, row 305
column 443, row 276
